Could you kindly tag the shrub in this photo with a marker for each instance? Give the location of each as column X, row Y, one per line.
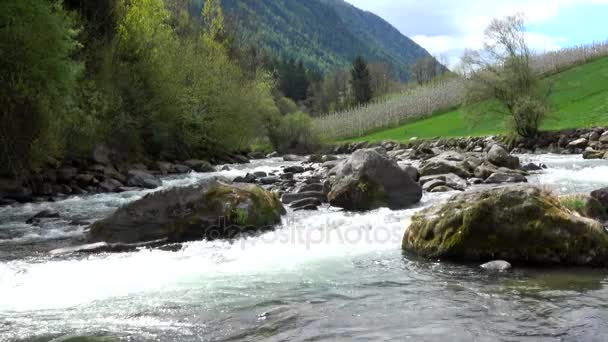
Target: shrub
column 294, row 133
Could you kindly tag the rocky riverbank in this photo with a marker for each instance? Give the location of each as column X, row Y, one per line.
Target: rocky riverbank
column 101, row 173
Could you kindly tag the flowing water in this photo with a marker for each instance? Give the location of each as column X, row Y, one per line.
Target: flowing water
column 321, row 276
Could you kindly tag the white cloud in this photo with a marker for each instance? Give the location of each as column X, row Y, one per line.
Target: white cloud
column 448, row 27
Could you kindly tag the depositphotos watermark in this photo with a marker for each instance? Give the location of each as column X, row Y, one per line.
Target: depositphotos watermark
column 294, row 232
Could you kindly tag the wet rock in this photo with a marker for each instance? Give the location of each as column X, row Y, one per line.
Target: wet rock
column 532, row 167
column 601, row 195
column 274, row 154
column 447, row 162
column 330, row 164
column 226, row 168
column 498, row 178
column 578, row 143
column 442, row 188
column 164, row 168
column 604, row 138
column 369, row 180
column 316, row 187
column 520, row 224
column 44, row 214
column 256, row 155
column 180, row 169
column 213, row 209
column 496, row 265
column 269, row 180
column 248, row 178
column 306, row 203
column 199, row 165
column 500, row 157
column 451, row 180
column 142, row 179
column 430, row 185
column 66, row 174
column 292, row 197
column 592, row 154
column 294, row 169
column 110, row 185
column 260, row 174
column 411, row 171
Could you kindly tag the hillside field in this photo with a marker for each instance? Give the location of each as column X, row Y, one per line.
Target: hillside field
column 579, row 98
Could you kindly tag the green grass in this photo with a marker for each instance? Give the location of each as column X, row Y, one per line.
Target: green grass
column 579, row 99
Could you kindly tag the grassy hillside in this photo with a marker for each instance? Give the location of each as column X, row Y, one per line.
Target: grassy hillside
column 579, row 99
column 325, row 34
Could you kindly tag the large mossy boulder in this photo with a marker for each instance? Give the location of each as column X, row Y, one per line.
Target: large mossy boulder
column 520, row 224
column 214, row 209
column 370, row 180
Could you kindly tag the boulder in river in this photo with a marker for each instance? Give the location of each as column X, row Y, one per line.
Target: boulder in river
column 447, row 162
column 498, row 156
column 142, row 179
column 519, row 224
column 211, row 210
column 369, row 180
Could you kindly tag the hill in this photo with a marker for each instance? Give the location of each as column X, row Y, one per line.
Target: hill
column 324, row 34
column 578, row 99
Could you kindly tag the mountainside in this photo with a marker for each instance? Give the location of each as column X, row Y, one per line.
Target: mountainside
column 324, row 34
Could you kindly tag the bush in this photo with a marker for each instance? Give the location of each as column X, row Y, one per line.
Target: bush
column 37, row 81
column 295, row 134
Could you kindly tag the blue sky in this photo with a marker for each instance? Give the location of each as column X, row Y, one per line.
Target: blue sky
column 447, row 27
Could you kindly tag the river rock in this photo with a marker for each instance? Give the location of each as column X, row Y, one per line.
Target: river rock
column 307, row 203
column 255, row 155
column 430, row 185
column 578, row 143
column 293, row 158
column 317, row 187
column 248, row 178
column 213, row 209
column 601, row 195
column 44, row 214
column 592, row 154
column 604, row 138
column 447, row 162
column 110, row 185
column 518, row 223
column 496, row 265
column 499, row 177
column 442, row 188
column 294, row 169
column 142, row 179
column 500, row 157
column 292, row 197
column 369, row 180
column 199, row 165
column 13, row 190
column 269, row 180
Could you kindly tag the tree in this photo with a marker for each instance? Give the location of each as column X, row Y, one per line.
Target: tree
column 361, row 82
column 425, row 69
column 502, row 71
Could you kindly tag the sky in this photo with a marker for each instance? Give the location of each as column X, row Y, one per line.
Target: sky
column 447, row 27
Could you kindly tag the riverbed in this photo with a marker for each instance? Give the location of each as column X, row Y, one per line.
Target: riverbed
column 323, row 275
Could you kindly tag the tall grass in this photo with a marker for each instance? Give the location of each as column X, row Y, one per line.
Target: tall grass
column 420, row 102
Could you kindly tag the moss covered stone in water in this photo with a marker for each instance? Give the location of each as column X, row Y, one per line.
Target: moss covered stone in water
column 214, row 209
column 520, row 224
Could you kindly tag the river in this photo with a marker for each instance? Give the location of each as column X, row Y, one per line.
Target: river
column 321, row 276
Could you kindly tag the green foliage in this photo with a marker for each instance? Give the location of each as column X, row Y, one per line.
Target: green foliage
column 294, row 133
column 325, row 34
column 37, row 81
column 361, row 81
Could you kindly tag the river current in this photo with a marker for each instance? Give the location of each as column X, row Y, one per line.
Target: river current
column 321, row 276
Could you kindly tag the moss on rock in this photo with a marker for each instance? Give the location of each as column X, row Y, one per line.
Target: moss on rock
column 520, row 224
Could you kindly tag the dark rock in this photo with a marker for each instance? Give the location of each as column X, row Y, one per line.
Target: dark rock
column 305, row 202
column 288, row 176
column 292, row 197
column 142, row 179
column 256, row 155
column 411, row 171
column 269, row 180
column 532, row 167
column 226, row 168
column 442, row 188
column 66, row 174
column 498, row 178
column 591, row 154
column 199, row 165
column 180, row 169
column 604, row 138
column 520, row 224
column 248, row 178
column 369, row 180
column 85, row 179
column 294, row 169
column 430, row 185
column 309, row 207
column 110, row 185
column 213, row 209
column 601, row 195
column 164, row 168
column 260, row 174
column 44, row 214
column 240, row 159
column 578, row 143
column 500, row 157
column 316, row 187
column 315, row 158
